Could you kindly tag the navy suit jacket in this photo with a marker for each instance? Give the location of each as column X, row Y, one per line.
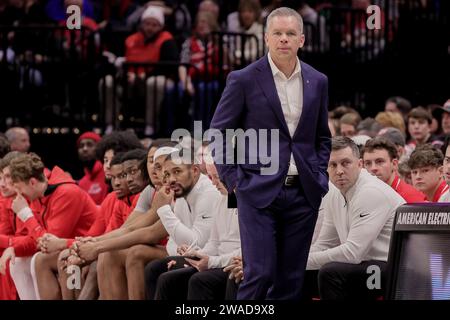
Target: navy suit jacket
column 250, row 101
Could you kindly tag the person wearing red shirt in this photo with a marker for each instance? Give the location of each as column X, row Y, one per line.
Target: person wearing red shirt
column 113, row 143
column 51, row 276
column 427, row 171
column 136, row 183
column 419, row 122
column 93, row 181
column 124, row 171
column 380, row 158
column 110, row 145
column 151, row 44
column 11, row 227
column 57, row 206
column 118, row 267
column 121, row 211
column 78, row 39
column 7, row 288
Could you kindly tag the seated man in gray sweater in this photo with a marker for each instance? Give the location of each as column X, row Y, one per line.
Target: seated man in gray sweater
column 355, row 235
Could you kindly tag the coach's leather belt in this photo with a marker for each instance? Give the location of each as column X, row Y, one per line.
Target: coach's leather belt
column 292, row 181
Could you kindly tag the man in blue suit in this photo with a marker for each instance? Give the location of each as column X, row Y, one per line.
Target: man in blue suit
column 277, row 211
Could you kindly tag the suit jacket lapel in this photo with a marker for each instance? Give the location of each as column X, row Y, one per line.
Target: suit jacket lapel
column 306, row 77
column 267, row 84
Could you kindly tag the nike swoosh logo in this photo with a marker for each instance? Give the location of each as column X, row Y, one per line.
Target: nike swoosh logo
column 205, row 217
column 363, row 215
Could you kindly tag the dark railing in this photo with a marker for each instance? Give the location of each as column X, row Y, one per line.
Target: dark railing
column 236, row 50
column 365, row 66
column 47, row 70
column 143, row 94
column 53, row 43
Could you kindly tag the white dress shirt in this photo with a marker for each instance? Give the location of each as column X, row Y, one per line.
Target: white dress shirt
column 290, row 93
column 191, row 219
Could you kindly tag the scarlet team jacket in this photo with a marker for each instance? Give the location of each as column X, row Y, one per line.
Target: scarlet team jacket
column 94, row 183
column 11, row 226
column 106, row 220
column 122, row 209
column 408, row 192
column 65, row 211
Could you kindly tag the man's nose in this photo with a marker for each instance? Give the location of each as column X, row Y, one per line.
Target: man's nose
column 172, row 179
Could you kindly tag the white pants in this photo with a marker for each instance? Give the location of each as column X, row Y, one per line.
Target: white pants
column 23, row 273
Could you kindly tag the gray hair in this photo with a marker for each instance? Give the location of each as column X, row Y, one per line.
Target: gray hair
column 285, row 12
column 13, row 133
column 340, row 142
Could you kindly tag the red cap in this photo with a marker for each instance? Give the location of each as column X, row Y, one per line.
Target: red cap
column 88, row 135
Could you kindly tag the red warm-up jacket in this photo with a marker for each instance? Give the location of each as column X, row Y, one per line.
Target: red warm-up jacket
column 122, row 210
column 94, row 183
column 11, row 228
column 100, row 224
column 65, row 211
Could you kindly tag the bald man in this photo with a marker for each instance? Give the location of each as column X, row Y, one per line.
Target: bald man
column 18, row 138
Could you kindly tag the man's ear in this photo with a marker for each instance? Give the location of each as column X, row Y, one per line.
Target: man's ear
column 32, row 182
column 302, row 40
column 360, row 163
column 395, row 163
column 196, row 169
column 441, row 170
